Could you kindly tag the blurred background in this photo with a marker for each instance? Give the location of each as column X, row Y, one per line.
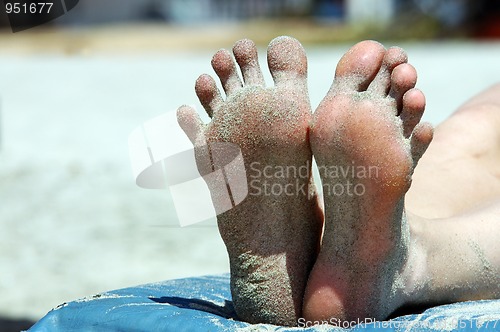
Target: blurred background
column 72, row 221
column 330, row 20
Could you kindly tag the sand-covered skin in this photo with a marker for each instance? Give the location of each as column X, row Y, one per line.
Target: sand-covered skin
column 367, row 123
column 272, row 237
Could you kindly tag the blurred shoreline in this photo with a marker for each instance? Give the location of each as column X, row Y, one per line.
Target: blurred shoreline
column 155, row 37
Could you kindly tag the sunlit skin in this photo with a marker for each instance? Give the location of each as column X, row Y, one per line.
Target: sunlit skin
column 422, row 227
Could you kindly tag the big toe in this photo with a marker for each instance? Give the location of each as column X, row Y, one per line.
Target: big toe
column 357, row 68
column 287, row 60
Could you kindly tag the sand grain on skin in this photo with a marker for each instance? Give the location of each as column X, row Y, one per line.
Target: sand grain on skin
column 271, row 238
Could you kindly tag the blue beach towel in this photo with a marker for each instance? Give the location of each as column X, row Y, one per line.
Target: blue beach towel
column 204, row 304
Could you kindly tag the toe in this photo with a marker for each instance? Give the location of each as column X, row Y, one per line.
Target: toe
column 207, row 93
column 421, row 137
column 225, row 67
column 412, row 110
column 246, row 56
column 287, row 60
column 190, row 122
column 357, row 68
column 393, row 57
column 403, row 78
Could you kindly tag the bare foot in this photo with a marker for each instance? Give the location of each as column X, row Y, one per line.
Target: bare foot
column 272, row 237
column 366, row 140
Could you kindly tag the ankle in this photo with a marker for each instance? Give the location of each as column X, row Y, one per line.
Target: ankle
column 415, row 278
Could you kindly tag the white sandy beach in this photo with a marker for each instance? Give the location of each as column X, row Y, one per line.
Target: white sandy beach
column 73, row 222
